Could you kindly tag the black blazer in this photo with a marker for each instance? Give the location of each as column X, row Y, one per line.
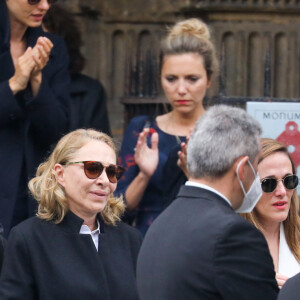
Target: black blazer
column 199, row 248
column 28, row 125
column 291, row 289
column 46, row 261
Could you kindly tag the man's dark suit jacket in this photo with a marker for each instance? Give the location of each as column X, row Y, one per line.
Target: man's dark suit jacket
column 199, row 248
column 291, row 289
column 48, row 261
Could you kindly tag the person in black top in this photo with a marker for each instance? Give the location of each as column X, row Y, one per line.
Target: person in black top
column 33, row 102
column 76, row 247
column 88, row 99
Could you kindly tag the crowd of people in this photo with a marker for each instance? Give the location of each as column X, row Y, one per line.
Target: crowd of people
column 212, row 208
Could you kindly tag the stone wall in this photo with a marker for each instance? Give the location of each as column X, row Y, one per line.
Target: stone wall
column 119, row 34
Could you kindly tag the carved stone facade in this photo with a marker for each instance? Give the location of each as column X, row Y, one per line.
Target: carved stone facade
column 122, row 34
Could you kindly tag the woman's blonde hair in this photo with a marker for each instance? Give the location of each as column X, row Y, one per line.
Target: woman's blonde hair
column 50, row 195
column 192, row 36
column 292, row 223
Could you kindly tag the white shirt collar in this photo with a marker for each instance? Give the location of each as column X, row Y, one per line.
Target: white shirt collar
column 94, row 234
column 206, row 187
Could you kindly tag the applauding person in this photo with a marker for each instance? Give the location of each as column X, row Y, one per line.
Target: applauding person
column 33, row 101
column 147, row 153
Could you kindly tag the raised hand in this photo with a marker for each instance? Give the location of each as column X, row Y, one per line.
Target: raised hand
column 29, row 66
column 147, row 158
column 182, row 159
column 41, row 56
column 182, row 155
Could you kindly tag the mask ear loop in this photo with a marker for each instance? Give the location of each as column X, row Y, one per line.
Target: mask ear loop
column 252, row 169
column 237, row 173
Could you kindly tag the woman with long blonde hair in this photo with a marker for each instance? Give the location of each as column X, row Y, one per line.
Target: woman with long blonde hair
column 276, row 213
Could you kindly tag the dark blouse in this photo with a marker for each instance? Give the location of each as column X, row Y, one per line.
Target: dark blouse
column 153, row 201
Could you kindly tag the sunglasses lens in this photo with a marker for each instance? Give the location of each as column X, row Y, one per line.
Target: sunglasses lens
column 268, row 185
column 33, row 2
column 93, row 169
column 290, row 182
column 114, row 173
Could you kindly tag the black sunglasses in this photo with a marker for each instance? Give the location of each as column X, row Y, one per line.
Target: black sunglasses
column 34, row 2
column 94, row 169
column 269, row 185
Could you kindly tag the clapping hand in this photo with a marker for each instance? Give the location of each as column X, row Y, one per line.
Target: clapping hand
column 182, row 159
column 182, row 155
column 41, row 55
column 147, row 158
column 28, row 66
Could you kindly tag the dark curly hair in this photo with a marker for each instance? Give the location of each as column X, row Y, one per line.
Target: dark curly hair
column 60, row 21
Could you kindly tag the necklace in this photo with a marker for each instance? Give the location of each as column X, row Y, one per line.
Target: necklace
column 178, row 139
column 169, row 123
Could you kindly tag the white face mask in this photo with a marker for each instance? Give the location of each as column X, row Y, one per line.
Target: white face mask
column 253, row 195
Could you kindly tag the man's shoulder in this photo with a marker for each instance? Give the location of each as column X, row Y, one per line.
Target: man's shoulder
column 197, row 208
column 201, row 201
column 208, row 213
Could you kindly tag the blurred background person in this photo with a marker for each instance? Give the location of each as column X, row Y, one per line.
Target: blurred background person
column 76, row 247
column 276, row 213
column 88, row 100
column 33, row 101
column 152, row 175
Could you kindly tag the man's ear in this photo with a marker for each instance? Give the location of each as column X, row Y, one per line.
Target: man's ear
column 242, row 161
column 59, row 171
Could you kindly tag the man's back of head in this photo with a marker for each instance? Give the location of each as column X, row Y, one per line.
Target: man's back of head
column 222, row 135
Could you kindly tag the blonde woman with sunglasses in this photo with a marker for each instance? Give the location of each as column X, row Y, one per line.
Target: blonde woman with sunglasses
column 33, row 101
column 276, row 213
column 76, row 247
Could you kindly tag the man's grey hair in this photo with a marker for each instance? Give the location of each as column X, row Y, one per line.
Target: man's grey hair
column 220, row 137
